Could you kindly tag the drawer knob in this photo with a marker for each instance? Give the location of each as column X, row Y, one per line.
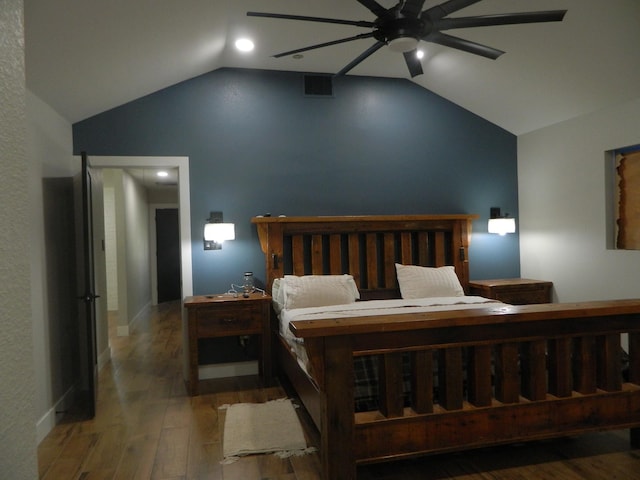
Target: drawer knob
column 228, row 320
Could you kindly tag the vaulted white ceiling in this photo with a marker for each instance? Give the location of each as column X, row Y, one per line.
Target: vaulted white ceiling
column 85, row 57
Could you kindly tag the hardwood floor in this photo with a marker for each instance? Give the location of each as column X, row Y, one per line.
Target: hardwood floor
column 148, row 428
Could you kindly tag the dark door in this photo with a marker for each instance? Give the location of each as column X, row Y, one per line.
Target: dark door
column 168, row 254
column 86, row 294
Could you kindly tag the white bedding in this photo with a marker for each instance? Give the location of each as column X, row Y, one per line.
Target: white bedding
column 371, row 307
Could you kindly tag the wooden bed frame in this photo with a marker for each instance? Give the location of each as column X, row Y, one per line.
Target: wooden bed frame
column 505, row 373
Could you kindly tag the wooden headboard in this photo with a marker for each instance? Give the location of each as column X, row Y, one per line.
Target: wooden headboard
column 366, row 247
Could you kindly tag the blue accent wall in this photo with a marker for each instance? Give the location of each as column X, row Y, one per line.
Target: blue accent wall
column 257, row 144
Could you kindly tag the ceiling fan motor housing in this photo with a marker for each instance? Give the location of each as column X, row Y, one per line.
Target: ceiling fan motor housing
column 401, row 34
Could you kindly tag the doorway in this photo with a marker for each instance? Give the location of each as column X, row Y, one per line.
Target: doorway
column 184, row 232
column 167, row 254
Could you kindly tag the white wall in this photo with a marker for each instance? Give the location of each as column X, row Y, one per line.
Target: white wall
column 18, row 437
column 49, row 148
column 137, row 246
column 562, row 205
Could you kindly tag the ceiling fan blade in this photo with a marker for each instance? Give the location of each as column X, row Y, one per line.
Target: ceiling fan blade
column 446, row 8
column 357, row 23
column 327, row 44
column 412, row 8
column 369, row 51
column 413, row 63
column 500, row 19
column 464, row 45
column 375, row 8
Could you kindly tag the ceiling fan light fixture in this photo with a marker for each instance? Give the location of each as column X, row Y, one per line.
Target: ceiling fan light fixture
column 402, row 44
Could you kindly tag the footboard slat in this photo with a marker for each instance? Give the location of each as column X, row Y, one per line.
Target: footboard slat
column 479, row 386
column 422, row 381
column 560, row 377
column 507, row 378
column 390, row 370
column 609, row 363
column 584, row 377
column 450, row 378
column 534, row 371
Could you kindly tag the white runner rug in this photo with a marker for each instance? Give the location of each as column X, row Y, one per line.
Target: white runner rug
column 271, row 427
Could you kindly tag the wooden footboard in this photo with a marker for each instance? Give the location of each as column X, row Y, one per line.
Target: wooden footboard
column 505, row 374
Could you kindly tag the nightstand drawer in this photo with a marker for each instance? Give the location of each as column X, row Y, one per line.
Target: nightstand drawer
column 520, row 296
column 516, row 291
column 229, row 320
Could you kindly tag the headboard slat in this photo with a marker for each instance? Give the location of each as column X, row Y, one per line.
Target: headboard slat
column 297, row 254
column 406, row 256
column 335, row 259
column 389, row 260
column 423, row 248
column 317, row 255
column 354, row 257
column 440, row 249
column 372, row 260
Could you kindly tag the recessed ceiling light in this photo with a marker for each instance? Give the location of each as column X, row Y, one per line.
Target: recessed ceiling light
column 162, row 173
column 420, row 54
column 298, row 56
column 244, row 45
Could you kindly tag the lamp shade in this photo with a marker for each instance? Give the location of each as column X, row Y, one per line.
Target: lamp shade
column 219, row 232
column 502, row 226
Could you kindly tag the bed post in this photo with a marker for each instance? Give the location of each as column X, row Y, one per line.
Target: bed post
column 338, row 424
column 462, row 234
column 271, row 243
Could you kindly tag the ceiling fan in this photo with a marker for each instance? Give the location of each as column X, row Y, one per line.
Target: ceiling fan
column 403, row 26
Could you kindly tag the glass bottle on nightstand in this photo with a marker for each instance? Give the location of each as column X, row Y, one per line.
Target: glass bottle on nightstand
column 248, row 285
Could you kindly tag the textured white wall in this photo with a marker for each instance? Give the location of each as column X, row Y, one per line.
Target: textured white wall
column 49, row 149
column 111, row 247
column 17, row 424
column 563, row 234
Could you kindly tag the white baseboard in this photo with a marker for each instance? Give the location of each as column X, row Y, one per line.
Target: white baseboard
column 49, row 419
column 104, row 358
column 223, row 370
column 123, row 330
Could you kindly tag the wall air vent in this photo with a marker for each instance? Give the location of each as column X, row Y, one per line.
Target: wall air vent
column 318, row 85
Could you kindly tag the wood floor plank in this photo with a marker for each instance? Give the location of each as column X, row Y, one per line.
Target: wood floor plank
column 138, row 458
column 172, row 453
column 204, row 460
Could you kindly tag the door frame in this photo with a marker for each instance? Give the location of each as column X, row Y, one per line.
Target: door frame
column 184, row 201
column 184, row 211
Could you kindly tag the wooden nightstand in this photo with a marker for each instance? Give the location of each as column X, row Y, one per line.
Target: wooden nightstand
column 516, row 291
column 224, row 315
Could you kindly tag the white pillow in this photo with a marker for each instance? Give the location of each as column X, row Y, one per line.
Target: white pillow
column 425, row 282
column 318, row 290
column 277, row 295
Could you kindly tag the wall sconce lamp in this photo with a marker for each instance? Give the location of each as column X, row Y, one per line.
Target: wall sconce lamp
column 216, row 232
column 499, row 224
